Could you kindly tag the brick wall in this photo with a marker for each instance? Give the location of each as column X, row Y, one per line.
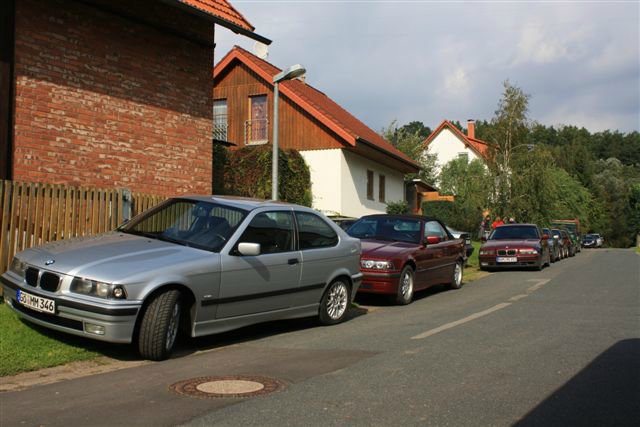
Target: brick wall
column 106, row 101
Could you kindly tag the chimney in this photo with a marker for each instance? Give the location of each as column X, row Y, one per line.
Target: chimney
column 471, row 128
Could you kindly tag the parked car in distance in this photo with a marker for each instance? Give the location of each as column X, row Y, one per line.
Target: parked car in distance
column 563, row 244
column 402, row 254
column 592, row 240
column 554, row 249
column 515, row 245
column 199, row 265
column 467, row 240
column 575, row 241
column 571, row 248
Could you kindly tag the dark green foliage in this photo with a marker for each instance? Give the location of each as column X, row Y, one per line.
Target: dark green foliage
column 471, row 184
column 441, row 209
column 398, row 208
column 248, row 173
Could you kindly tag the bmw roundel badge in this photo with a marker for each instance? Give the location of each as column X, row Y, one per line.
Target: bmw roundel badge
column 49, row 261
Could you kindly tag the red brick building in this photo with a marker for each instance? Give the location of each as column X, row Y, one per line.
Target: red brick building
column 110, row 93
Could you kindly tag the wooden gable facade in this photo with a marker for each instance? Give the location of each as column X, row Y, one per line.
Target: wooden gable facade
column 298, row 129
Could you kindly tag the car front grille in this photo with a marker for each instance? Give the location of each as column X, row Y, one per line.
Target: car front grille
column 504, row 252
column 48, row 281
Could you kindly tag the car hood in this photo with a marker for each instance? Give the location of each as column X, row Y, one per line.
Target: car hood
column 495, row 244
column 110, row 257
column 385, row 249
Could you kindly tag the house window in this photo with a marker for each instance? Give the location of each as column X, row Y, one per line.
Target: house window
column 370, row 185
column 220, row 120
column 258, row 124
column 464, row 155
column 381, row 188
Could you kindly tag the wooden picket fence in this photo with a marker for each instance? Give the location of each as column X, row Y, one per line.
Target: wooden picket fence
column 32, row 214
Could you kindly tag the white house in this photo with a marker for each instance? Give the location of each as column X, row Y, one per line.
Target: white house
column 447, row 142
column 354, row 170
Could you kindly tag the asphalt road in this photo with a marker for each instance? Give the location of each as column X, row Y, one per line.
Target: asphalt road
column 556, row 347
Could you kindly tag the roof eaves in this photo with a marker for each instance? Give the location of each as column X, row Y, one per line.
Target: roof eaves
column 245, row 28
column 406, row 161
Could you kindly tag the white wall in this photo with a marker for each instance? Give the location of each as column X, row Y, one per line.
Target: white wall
column 339, row 183
column 447, row 146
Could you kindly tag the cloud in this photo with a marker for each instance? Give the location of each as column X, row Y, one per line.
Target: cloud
column 433, row 60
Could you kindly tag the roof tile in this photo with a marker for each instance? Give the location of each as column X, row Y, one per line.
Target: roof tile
column 221, row 9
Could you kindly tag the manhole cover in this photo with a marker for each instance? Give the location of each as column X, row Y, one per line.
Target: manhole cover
column 228, row 386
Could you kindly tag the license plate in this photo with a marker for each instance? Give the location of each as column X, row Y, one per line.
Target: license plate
column 37, row 303
column 506, row 259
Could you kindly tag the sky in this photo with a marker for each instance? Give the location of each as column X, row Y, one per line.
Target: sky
column 433, row 60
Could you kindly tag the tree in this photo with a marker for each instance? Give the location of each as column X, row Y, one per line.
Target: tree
column 470, row 183
column 408, row 139
column 509, row 131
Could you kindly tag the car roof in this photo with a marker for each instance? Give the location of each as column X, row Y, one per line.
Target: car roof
column 245, row 203
column 518, row 225
column 414, row 217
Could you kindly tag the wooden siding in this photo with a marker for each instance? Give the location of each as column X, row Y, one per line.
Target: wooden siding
column 298, row 129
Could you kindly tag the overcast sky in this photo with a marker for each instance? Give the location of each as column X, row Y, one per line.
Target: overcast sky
column 431, row 60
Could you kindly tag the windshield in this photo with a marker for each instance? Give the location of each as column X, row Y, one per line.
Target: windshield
column 203, row 225
column 514, row 233
column 386, row 228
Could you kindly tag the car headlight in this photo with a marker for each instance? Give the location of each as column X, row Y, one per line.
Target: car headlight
column 97, row 289
column 18, row 267
column 372, row 264
column 528, row 251
column 487, row 252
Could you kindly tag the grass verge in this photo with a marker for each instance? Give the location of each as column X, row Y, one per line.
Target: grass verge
column 472, row 271
column 26, row 348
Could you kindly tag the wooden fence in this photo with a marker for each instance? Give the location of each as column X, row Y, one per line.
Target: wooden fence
column 32, row 214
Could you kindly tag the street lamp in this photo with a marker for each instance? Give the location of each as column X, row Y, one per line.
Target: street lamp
column 292, row 72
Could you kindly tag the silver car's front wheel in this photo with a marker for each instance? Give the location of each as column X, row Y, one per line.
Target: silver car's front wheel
column 159, row 325
column 335, row 302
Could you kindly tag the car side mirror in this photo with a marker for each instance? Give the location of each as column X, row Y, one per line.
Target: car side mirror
column 432, row 240
column 249, row 249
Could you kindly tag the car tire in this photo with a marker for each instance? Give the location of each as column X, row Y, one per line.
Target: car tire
column 334, row 305
column 404, row 295
column 160, row 325
column 456, row 280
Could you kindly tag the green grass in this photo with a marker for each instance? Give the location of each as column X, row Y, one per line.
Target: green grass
column 638, row 249
column 472, row 271
column 26, row 347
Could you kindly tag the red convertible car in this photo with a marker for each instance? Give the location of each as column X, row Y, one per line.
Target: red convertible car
column 515, row 246
column 403, row 254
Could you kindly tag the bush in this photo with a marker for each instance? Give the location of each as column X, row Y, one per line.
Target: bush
column 247, row 172
column 398, row 208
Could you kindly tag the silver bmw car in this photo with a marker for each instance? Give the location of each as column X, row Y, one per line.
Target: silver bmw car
column 198, row 265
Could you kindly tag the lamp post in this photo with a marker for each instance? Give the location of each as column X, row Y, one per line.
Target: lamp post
column 292, row 72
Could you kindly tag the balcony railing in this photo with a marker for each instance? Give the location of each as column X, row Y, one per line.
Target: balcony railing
column 256, row 132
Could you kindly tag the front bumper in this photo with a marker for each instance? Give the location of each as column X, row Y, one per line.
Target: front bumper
column 380, row 283
column 74, row 315
column 490, row 261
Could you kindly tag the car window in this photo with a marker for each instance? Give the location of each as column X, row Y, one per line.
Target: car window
column 514, row 232
column 433, row 228
column 272, row 230
column 387, row 228
column 193, row 223
column 314, row 232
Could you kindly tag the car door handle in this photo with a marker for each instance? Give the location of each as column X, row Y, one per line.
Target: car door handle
column 293, row 261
